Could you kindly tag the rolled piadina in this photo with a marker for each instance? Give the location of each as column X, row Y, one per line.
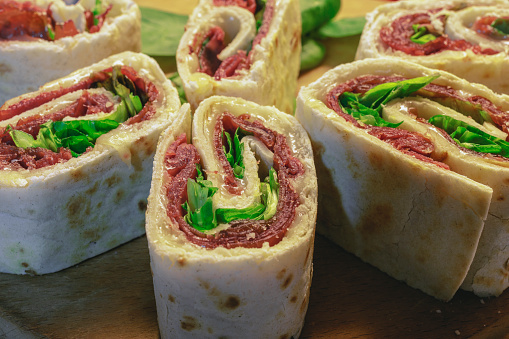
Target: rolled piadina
column 230, row 224
column 43, row 40
column 244, row 50
column 400, row 186
column 76, row 162
column 468, row 38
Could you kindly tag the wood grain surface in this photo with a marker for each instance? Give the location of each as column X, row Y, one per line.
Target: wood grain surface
column 111, row 296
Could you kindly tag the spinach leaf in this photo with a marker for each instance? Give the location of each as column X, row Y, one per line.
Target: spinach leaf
column 161, row 31
column 470, row 137
column 342, row 28
column 312, row 54
column 315, row 13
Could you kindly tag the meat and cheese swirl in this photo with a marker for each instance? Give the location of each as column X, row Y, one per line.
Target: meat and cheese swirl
column 76, row 162
column 248, row 49
column 43, row 40
column 467, row 38
column 419, row 161
column 230, row 223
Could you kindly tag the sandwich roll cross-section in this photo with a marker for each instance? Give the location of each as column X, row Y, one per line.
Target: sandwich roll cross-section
column 76, row 162
column 246, row 49
column 230, row 223
column 413, row 172
column 469, row 38
column 43, row 40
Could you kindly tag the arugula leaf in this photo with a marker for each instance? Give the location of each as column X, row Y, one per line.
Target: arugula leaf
column 226, row 215
column 367, row 107
column 315, row 13
column 342, row 28
column 421, row 35
column 470, row 137
column 233, row 153
column 312, row 54
column 161, row 31
column 501, row 25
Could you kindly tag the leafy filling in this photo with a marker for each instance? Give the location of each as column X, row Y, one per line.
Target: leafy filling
column 78, row 135
column 233, row 152
column 366, row 107
column 201, row 215
column 421, row 35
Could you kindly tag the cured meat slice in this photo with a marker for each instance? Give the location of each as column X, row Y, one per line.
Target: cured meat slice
column 229, row 50
column 75, row 166
column 230, row 223
column 53, row 39
column 457, row 36
column 412, row 179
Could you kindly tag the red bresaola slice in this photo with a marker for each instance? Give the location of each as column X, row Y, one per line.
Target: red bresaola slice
column 267, row 261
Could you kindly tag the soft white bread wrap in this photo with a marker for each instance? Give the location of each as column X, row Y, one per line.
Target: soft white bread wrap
column 233, row 292
column 26, row 65
column 271, row 78
column 489, row 70
column 435, row 229
column 57, row 216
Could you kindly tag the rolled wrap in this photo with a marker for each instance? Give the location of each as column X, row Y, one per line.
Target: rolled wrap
column 58, row 211
column 466, row 44
column 246, row 278
column 260, row 65
column 403, row 211
column 31, row 62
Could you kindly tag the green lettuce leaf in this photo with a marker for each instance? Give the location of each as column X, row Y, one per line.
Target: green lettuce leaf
column 421, row 35
column 233, row 153
column 342, row 28
column 77, row 135
column 312, row 54
column 470, row 137
column 367, row 107
column 315, row 13
column 200, row 212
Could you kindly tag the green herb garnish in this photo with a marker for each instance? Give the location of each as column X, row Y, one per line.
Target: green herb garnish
column 367, row 107
column 421, row 35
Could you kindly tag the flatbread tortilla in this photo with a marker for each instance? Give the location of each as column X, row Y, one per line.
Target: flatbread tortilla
column 435, row 229
column 272, row 76
column 57, row 216
column 489, row 70
column 238, row 291
column 26, row 65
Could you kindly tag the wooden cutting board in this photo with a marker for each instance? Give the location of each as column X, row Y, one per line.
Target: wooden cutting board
column 111, row 296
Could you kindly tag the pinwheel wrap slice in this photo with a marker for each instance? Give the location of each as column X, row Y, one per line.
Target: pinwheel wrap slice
column 435, row 222
column 260, row 65
column 246, row 278
column 26, row 65
column 57, row 215
column 458, row 48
